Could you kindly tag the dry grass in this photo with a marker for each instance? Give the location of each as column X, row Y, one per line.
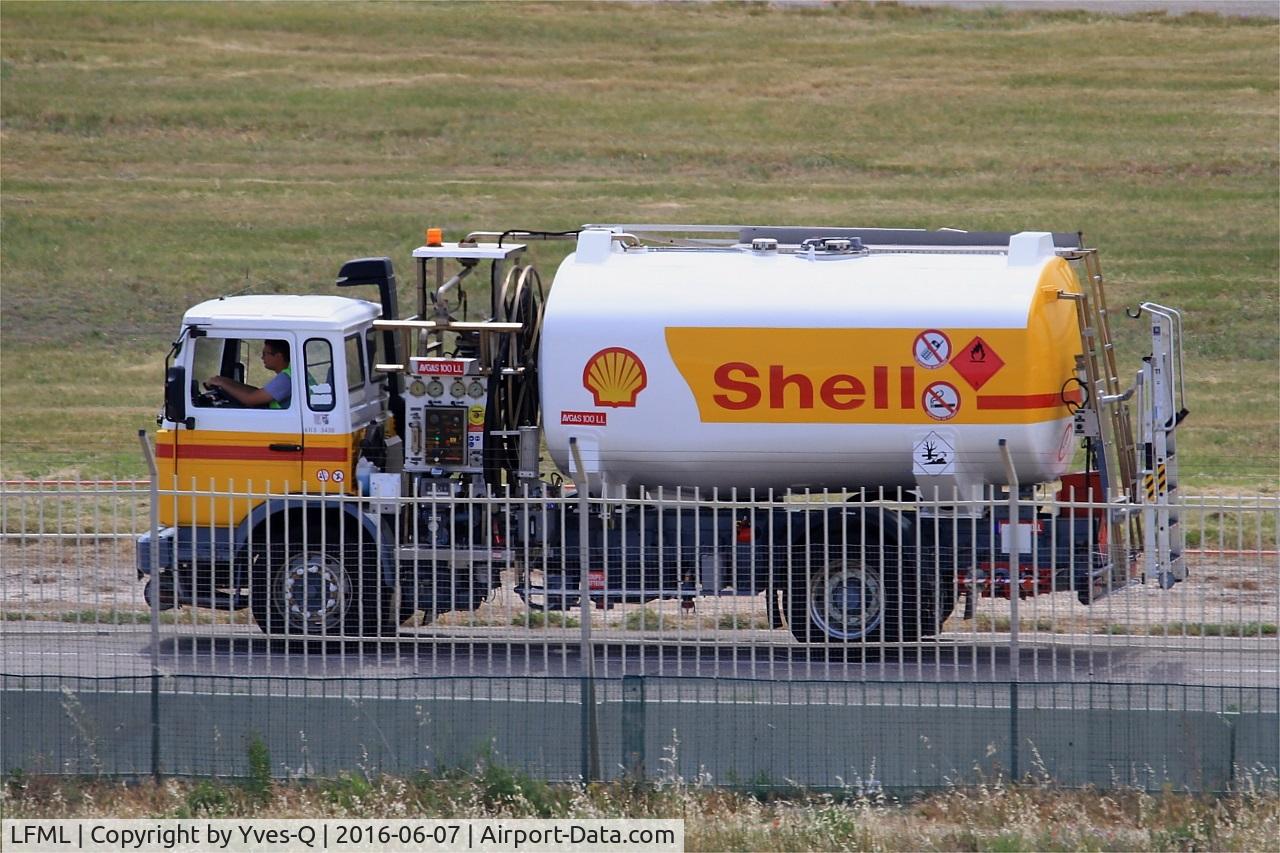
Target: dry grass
column 992, row 815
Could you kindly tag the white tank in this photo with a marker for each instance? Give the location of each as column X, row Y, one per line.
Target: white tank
column 758, row 368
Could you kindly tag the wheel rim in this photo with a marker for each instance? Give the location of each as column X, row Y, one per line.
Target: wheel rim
column 846, row 603
column 314, row 592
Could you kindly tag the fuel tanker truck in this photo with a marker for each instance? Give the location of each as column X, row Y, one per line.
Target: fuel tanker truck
column 863, row 426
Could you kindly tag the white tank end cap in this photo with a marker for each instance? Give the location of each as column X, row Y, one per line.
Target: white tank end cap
column 594, row 246
column 1030, row 248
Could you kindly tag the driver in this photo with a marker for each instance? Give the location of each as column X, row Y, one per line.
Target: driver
column 275, row 394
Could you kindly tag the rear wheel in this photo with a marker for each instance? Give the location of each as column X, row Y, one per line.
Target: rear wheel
column 846, row 600
column 312, row 591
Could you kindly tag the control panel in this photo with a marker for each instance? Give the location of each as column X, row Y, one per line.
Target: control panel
column 445, row 401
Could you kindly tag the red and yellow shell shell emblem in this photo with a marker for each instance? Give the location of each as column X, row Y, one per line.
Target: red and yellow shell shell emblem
column 614, row 376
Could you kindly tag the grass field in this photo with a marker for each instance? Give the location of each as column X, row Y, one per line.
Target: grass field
column 155, row 155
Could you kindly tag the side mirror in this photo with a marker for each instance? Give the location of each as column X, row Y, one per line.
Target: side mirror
column 175, row 396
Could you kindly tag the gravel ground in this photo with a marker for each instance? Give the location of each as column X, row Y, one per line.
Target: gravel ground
column 51, row 578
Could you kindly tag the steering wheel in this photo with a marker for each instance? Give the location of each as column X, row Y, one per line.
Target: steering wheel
column 214, row 396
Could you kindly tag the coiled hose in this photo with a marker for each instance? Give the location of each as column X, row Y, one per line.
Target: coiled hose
column 514, row 399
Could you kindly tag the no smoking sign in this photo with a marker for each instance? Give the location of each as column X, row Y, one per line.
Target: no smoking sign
column 941, row 401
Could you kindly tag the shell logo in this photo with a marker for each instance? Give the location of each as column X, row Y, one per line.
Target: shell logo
column 615, row 376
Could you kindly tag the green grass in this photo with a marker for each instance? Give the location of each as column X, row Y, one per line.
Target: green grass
column 156, row 155
column 647, row 620
column 1196, row 629
column 545, row 619
column 983, row 622
column 124, row 617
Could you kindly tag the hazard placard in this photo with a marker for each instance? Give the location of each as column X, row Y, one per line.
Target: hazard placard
column 932, row 455
column 977, row 362
column 931, row 349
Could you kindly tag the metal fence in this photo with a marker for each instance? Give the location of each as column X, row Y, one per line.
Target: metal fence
column 505, row 649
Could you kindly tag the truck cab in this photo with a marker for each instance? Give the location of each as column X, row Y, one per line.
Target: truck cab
column 260, row 505
column 209, row 442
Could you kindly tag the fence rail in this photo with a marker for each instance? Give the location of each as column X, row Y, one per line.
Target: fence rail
column 669, row 605
column 683, row 602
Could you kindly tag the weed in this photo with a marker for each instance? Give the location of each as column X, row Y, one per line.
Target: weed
column 1002, row 624
column 348, row 791
column 741, row 622
column 988, row 815
column 85, row 727
column 210, row 798
column 258, row 783
column 645, row 620
column 505, row 789
column 16, row 782
column 1213, row 629
column 1192, row 629
column 123, row 617
column 545, row 619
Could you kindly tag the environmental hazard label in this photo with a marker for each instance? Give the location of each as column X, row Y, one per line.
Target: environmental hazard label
column 932, row 455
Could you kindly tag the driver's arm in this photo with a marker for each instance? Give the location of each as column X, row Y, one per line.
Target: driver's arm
column 245, row 395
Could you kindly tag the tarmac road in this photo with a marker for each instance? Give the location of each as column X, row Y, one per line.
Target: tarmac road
column 49, row 649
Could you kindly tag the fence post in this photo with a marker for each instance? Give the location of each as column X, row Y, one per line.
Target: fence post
column 590, row 728
column 633, row 727
column 1015, row 588
column 154, row 544
column 1231, row 718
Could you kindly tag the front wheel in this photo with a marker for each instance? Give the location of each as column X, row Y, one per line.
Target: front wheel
column 317, row 592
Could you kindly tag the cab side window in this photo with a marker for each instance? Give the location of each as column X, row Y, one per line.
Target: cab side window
column 237, row 358
column 319, row 367
column 250, row 367
column 355, row 362
column 373, row 351
column 206, row 361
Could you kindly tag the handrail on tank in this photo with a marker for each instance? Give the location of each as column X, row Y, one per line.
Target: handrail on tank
column 943, row 238
column 546, row 236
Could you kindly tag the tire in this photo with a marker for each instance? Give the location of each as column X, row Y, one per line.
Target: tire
column 843, row 599
column 311, row 591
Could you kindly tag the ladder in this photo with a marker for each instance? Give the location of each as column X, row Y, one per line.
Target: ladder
column 1104, row 418
column 1161, row 407
column 1104, row 415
